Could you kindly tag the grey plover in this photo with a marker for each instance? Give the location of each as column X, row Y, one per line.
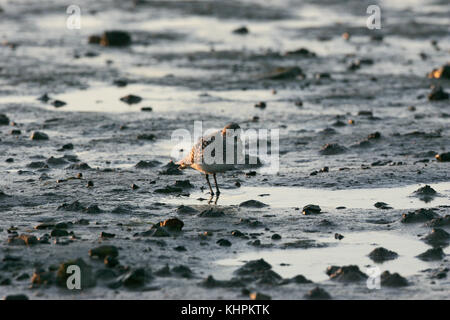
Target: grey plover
column 198, row 157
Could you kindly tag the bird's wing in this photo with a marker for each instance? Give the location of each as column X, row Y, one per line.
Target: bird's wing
column 196, row 154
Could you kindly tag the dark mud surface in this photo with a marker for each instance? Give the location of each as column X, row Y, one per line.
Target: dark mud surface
column 361, row 109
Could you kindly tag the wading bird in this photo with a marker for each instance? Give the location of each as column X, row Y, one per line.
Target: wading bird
column 206, row 155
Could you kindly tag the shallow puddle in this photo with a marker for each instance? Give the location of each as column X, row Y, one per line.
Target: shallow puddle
column 352, row 250
column 365, row 198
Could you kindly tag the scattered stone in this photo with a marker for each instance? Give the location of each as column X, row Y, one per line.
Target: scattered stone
column 237, row 233
column 311, row 209
column 56, row 161
column 322, row 75
column 113, row 38
column 45, row 239
column 58, row 103
column 210, row 282
column 325, row 223
column 260, row 105
column 437, row 237
column 253, row 204
column 440, row 73
column 299, row 103
column 171, row 169
column 63, row 225
column 332, row 149
column 285, row 73
column 440, row 273
column 45, row 226
column 147, row 164
column 393, row 280
column 338, row 236
column 12, row 297
column 346, row 36
column 182, row 271
column 365, row 113
column 185, row 184
column 374, row 136
column 241, row 30
column 253, row 267
column 103, row 251
column 28, row 239
column 300, row 279
column 439, row 222
column 59, row 233
column 432, row 254
column 79, row 166
column 36, row 135
column 83, row 222
column 164, row 272
column 223, row 243
column 186, row 210
column 301, row 52
column 42, row 277
column 136, row 278
column 346, row 274
column 259, row 296
column 173, row 224
column 382, row 205
column 427, row 190
column 211, row 213
column 4, row 120
column 107, row 235
column 420, row 215
column 146, row 109
column 122, row 209
column 111, row 262
column 37, row 165
column 318, row 294
column 276, row 236
column 443, row 157
column 437, row 94
column 155, row 231
column 44, row 98
column 425, row 193
column 169, row 189
column 131, row 99
column 5, row 281
column 134, row 186
column 105, row 274
column 94, row 39
column 68, row 146
column 381, row 254
column 120, row 82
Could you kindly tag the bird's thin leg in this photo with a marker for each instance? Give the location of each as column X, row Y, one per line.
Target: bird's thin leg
column 217, row 186
column 209, row 184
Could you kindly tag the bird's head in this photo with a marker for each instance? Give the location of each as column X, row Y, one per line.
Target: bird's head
column 231, row 126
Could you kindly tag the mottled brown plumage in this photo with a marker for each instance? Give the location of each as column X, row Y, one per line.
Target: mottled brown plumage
column 197, row 159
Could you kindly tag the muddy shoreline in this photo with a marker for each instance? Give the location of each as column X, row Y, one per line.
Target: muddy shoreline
column 101, row 175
